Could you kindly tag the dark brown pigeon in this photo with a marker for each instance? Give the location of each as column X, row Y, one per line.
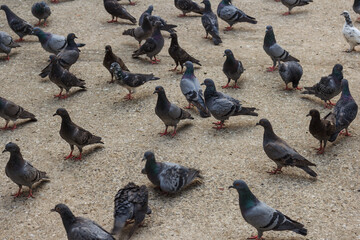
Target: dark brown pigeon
column 117, row 11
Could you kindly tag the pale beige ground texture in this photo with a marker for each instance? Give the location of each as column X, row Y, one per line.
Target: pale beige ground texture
column 328, row 206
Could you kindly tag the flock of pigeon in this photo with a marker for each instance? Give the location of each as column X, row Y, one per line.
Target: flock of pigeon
column 131, row 201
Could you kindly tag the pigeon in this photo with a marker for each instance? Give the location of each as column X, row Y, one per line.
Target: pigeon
column 153, row 19
column 328, row 87
column 222, row 106
column 78, row 228
column 142, row 32
column 40, row 10
column 192, row 91
column 261, row 216
column 179, row 55
column 356, row 7
column 6, row 44
column 168, row 112
column 11, row 111
column 345, row 111
column 18, row 25
column 351, row 33
column 231, row 14
column 232, row 68
column 117, row 11
column 21, row 171
column 152, row 46
column 73, row 134
column 187, row 6
column 131, row 203
column 281, row 153
column 291, row 72
column 274, row 50
column 170, row 177
column 290, row 4
column 128, row 80
column 321, row 129
column 109, row 58
column 210, row 23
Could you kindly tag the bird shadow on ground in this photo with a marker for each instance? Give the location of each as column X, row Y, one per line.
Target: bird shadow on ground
column 25, row 192
column 315, row 101
column 90, row 151
column 288, row 176
column 118, row 23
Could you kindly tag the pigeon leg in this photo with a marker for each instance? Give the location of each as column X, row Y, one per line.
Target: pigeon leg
column 164, row 133
column 38, row 24
column 255, row 237
column 30, row 194
column 174, row 133
column 298, row 88
column 358, row 19
column 65, row 96
column 173, row 69
column 206, row 36
column 275, row 171
column 112, row 20
column 18, row 193
column 7, row 57
column 331, row 104
column 189, row 107
column 182, row 15
column 54, row 1
column 228, row 28
column 14, row 127
column 79, row 157
column 217, row 123
column 347, row 134
column 157, row 60
column 287, row 13
column 219, row 126
column 227, row 85
column 70, row 155
column 287, row 88
column 6, row 126
column 45, row 23
column 132, row 3
column 59, row 95
column 128, row 96
column 271, row 69
column 236, row 86
column 20, row 40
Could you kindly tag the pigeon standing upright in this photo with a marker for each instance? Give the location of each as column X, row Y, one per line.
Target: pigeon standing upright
column 210, row 23
column 110, row 58
column 41, row 10
column 351, row 33
column 142, row 32
column 117, row 11
column 232, row 68
column 187, row 6
column 290, row 4
column 291, row 72
column 6, row 44
column 356, row 8
column 261, row 216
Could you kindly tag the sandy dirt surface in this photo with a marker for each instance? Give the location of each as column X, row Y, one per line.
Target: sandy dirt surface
column 328, row 207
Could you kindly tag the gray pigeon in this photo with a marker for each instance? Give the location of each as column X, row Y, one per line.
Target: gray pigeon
column 168, row 112
column 356, row 7
column 231, row 14
column 131, row 203
column 274, row 50
column 261, row 216
column 73, row 134
column 290, row 4
column 142, row 32
column 291, row 72
column 7, row 43
column 117, row 11
column 40, row 10
column 210, row 23
column 222, row 106
column 78, row 228
column 281, row 153
column 18, row 25
column 11, row 111
column 21, row 171
column 232, row 68
column 187, row 6
column 130, row 81
column 153, row 19
column 192, row 91
column 170, row 177
column 109, row 58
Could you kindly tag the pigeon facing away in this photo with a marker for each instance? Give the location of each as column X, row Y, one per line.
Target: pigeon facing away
column 351, row 33
column 117, row 11
column 153, row 19
column 11, row 111
column 210, row 23
column 21, row 171
column 142, row 32
column 222, row 106
column 179, row 55
column 274, row 50
column 187, row 6
column 78, row 228
column 170, row 177
column 231, row 14
column 328, row 87
column 73, row 134
column 232, row 68
column 290, row 4
column 131, row 203
column 7, row 43
column 356, row 7
column 291, row 72
column 18, row 25
column 109, row 58
column 281, row 153
column 40, row 10
column 130, row 81
column 168, row 112
column 261, row 216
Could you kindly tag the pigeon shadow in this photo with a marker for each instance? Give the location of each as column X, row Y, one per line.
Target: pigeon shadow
column 312, row 100
column 119, row 23
column 92, row 150
column 294, row 176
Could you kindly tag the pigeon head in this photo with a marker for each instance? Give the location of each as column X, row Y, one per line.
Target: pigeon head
column 150, row 9
column 4, row 7
column 158, row 90
column 65, row 213
column 61, row 112
column 264, row 122
column 158, row 24
column 337, row 71
column 314, row 114
column 173, row 35
column 71, row 36
column 11, row 147
column 115, row 68
column 42, row 4
column 228, row 53
column 189, row 67
column 148, row 156
column 269, row 39
column 239, row 185
column 247, row 199
column 208, row 83
column 345, row 88
column 345, row 14
column 269, row 28
column 37, row 31
column 108, row 48
column 207, row 5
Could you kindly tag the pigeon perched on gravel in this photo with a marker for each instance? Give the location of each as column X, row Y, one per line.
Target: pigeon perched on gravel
column 328, row 87
column 142, row 32
column 187, row 6
column 290, row 4
column 356, row 7
column 7, row 43
column 192, row 91
column 130, row 81
column 78, row 228
column 281, row 153
column 261, row 216
column 351, row 33
column 210, row 23
column 170, row 177
column 109, row 58
column 18, row 25
column 21, row 171
column 117, row 11
column 73, row 134
column 40, row 10
column 131, row 203
column 232, row 68
column 274, row 50
column 153, row 19
column 321, row 129
column 168, row 112
column 222, row 106
column 11, row 111
column 291, row 72
column 231, row 14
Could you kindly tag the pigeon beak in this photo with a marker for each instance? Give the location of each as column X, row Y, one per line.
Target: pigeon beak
column 143, row 159
column 202, row 84
column 4, row 151
column 224, row 55
column 156, row 91
column 231, row 187
column 55, row 114
column 257, row 124
column 52, row 210
column 308, row 114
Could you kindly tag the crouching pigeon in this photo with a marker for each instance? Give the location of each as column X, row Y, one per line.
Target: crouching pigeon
column 7, row 43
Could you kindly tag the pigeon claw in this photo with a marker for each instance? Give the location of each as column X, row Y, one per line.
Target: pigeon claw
column 19, row 40
column 189, row 106
column 228, row 28
column 287, row 13
column 38, row 24
column 235, row 86
column 17, row 194
column 182, row 15
column 275, row 171
column 69, row 156
column 128, row 97
column 164, row 133
column 30, row 194
column 132, row 3
column 226, row 86
column 271, row 69
column 7, row 58
column 255, row 237
column 79, row 157
column 346, row 133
